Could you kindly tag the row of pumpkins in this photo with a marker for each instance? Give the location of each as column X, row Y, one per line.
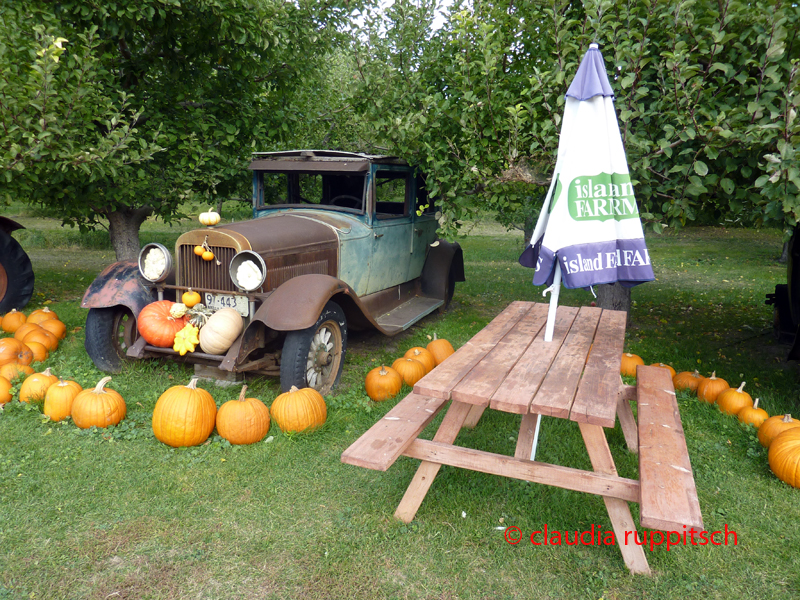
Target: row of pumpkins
column 779, row 433
column 184, row 415
column 384, row 382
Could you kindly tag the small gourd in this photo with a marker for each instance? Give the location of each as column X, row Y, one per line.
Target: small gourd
column 207, row 256
column 299, row 410
column 629, row 364
column 784, row 456
column 711, row 387
column 209, row 218
column 752, row 415
column 410, row 370
column 774, row 426
column 732, row 400
column 383, row 383
column 178, row 310
column 59, row 398
column 184, row 415
column 423, row 356
column 190, row 298
column 220, row 331
column 186, row 340
column 35, row 386
column 98, row 406
column 687, row 381
column 243, row 421
column 12, row 321
column 440, row 348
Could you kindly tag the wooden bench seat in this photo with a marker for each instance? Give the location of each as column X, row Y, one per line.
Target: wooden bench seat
column 668, row 499
column 385, row 441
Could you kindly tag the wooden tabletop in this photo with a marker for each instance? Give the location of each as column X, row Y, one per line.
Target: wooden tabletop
column 508, row 366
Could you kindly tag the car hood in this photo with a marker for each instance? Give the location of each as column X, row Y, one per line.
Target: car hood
column 286, row 233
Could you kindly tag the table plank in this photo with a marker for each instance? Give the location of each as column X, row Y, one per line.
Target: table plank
column 598, row 390
column 489, row 372
column 385, row 441
column 439, row 382
column 514, row 395
column 557, row 391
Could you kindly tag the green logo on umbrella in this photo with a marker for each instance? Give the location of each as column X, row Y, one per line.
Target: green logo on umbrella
column 601, row 197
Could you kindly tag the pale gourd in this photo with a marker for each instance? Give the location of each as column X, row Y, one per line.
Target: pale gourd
column 220, row 331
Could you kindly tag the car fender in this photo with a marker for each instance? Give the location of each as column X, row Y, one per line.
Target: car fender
column 119, row 284
column 444, row 258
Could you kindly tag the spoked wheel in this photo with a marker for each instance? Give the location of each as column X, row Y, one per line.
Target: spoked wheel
column 109, row 334
column 314, row 357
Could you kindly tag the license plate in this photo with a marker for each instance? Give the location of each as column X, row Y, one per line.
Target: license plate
column 239, row 303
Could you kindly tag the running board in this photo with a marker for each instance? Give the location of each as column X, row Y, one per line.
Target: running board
column 408, row 313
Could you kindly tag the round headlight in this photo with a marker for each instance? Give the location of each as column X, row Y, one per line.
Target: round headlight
column 248, row 271
column 155, row 262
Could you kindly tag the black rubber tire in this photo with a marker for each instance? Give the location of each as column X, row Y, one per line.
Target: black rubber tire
column 109, row 333
column 16, row 274
column 450, row 290
column 302, row 354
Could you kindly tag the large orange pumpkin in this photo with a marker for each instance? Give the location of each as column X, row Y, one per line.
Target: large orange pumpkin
column 157, row 326
column 382, row 383
column 184, row 415
column 299, row 410
column 243, row 421
column 98, row 406
column 732, row 400
column 711, row 387
column 774, row 426
column 411, row 370
column 440, row 348
column 784, row 456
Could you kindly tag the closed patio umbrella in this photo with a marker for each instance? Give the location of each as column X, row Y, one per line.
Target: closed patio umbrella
column 589, row 231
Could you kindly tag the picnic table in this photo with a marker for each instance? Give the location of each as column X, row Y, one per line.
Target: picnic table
column 508, row 366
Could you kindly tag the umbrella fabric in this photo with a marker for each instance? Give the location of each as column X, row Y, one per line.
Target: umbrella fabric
column 589, row 222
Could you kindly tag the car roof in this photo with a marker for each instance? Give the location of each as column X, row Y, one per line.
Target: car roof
column 317, row 160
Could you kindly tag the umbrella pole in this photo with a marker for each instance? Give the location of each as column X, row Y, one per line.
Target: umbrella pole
column 554, row 290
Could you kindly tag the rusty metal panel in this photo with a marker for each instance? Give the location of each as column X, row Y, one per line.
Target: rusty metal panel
column 278, row 272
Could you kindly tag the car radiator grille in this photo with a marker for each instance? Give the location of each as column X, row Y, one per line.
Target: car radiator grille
column 280, row 274
column 195, row 272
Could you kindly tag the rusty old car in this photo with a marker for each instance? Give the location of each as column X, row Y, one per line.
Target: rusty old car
column 342, row 241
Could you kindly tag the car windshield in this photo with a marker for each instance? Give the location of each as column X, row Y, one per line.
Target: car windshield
column 322, row 189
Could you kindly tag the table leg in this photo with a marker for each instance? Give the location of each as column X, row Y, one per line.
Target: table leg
column 474, row 416
column 626, row 418
column 618, row 510
column 527, row 434
column 423, row 479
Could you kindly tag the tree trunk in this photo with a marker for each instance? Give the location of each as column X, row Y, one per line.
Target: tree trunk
column 615, row 297
column 123, row 227
column 784, row 254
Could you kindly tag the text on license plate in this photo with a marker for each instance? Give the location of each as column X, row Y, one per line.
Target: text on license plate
column 238, row 303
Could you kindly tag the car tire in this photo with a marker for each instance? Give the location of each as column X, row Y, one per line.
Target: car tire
column 314, row 357
column 449, row 290
column 109, row 334
column 16, row 274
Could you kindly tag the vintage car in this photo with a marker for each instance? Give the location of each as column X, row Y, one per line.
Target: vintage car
column 341, row 241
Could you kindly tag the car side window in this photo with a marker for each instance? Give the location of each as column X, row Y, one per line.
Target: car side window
column 391, row 194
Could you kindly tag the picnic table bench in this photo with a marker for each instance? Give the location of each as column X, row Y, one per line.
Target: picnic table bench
column 508, row 366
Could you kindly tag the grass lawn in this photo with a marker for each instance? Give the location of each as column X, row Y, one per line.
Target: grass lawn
column 116, row 514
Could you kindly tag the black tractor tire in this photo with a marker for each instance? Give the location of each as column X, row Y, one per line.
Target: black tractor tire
column 16, row 275
column 314, row 357
column 109, row 334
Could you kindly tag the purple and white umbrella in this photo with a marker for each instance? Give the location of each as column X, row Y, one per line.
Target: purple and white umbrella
column 589, row 231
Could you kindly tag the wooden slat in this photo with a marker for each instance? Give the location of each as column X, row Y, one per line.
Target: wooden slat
column 385, row 441
column 598, row 391
column 515, row 393
column 439, row 382
column 669, row 496
column 487, row 375
column 557, row 391
column 528, row 470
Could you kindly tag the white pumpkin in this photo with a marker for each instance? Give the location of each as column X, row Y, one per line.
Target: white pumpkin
column 220, row 331
column 209, row 218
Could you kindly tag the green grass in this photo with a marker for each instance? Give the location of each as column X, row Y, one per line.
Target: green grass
column 116, row 514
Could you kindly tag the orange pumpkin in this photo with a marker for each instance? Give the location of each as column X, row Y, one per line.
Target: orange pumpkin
column 440, row 348
column 157, row 326
column 711, row 387
column 184, row 415
column 753, row 415
column 629, row 364
column 299, row 410
column 410, row 370
column 687, row 381
column 382, row 383
column 43, row 314
column 59, row 398
column 12, row 350
column 35, row 386
column 665, row 366
column 243, row 421
column 98, row 406
column 44, row 337
column 732, row 400
column 12, row 321
column 784, row 456
column 774, row 426
column 423, row 356
column 5, row 391
column 25, row 329
column 14, row 370
column 38, row 350
column 56, row 327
